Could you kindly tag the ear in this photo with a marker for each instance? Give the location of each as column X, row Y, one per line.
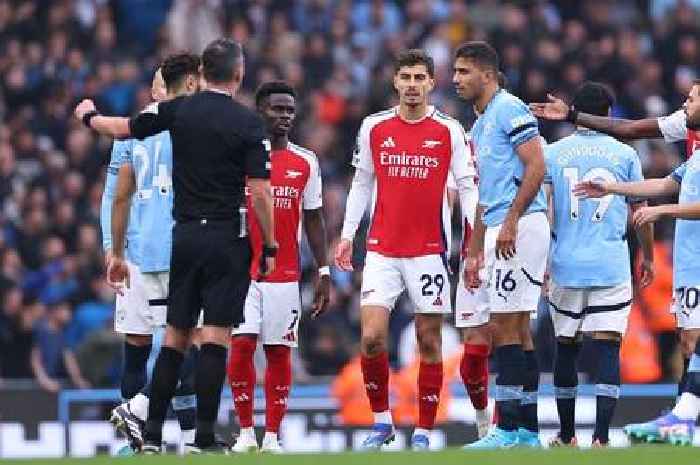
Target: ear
column 431, row 84
column 396, row 82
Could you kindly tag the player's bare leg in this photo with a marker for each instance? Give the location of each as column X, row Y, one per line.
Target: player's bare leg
column 374, row 321
column 429, row 337
column 241, row 376
column 474, row 370
column 529, row 430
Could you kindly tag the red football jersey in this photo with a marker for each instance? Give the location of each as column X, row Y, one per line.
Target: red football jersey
column 295, row 179
column 411, row 161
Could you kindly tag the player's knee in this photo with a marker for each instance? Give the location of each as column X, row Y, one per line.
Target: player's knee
column 689, row 341
column 506, row 329
column 607, row 336
column 430, row 347
column 373, row 343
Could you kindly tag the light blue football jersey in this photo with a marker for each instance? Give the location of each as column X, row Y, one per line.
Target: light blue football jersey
column 686, row 246
column 589, row 246
column 120, row 152
column 152, row 161
column 505, row 124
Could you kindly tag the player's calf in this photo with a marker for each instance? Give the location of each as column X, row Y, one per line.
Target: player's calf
column 607, row 382
column 565, row 386
column 241, row 375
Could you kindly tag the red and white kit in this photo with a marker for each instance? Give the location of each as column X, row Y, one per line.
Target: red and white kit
column 403, row 166
column 273, row 306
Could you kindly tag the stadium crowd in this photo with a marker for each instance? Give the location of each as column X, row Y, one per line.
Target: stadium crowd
column 56, row 309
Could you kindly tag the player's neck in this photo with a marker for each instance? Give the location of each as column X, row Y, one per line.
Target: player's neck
column 413, row 113
column 482, row 101
column 222, row 88
column 279, row 142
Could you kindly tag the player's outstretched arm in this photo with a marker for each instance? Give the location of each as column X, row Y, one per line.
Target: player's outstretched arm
column 114, row 126
column 645, row 234
column 556, row 109
column 358, row 198
column 685, row 211
column 641, row 189
column 315, row 227
column 261, row 199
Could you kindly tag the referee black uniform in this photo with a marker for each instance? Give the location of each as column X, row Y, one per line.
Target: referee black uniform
column 217, row 143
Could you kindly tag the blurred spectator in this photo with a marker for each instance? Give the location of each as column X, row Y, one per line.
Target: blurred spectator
column 52, row 360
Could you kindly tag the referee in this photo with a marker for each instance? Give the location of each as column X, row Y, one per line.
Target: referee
column 217, row 144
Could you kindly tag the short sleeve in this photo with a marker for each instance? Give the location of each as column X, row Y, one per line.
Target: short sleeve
column 678, row 173
column 673, row 127
column 256, row 151
column 462, row 163
column 517, row 122
column 362, row 154
column 313, row 191
column 155, row 118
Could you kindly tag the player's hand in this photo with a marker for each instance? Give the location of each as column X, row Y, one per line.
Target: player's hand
column 472, row 267
column 545, row 284
column 646, row 273
column 591, row 189
column 646, row 215
column 118, row 275
column 505, row 241
column 322, row 295
column 554, row 109
column 83, row 108
column 108, row 258
column 343, row 255
column 267, row 266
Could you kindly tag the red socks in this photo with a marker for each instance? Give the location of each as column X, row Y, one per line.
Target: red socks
column 474, row 369
column 429, row 387
column 375, row 371
column 278, row 379
column 241, row 375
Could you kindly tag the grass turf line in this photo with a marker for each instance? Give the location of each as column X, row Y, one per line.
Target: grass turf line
column 641, row 455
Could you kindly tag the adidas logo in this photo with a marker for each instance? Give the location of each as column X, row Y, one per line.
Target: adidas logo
column 290, row 337
column 242, row 398
column 437, row 301
column 432, row 398
column 388, row 143
column 371, row 386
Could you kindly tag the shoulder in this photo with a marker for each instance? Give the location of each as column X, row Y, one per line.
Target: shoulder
column 307, row 155
column 245, row 119
column 374, row 119
column 447, row 120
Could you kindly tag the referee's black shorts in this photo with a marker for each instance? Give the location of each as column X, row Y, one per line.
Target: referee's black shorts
column 209, row 270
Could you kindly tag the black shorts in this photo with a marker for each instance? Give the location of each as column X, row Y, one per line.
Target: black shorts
column 209, row 270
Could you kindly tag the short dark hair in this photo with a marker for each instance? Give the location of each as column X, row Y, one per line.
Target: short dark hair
column 272, row 87
column 175, row 67
column 413, row 57
column 220, row 59
column 593, row 98
column 480, row 52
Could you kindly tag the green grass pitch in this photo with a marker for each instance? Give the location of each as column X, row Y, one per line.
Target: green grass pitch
column 643, row 455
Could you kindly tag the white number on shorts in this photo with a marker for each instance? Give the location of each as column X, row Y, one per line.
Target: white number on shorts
column 505, row 281
column 571, row 174
column 438, row 280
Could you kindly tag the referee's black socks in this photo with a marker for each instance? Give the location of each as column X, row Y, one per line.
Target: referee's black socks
column 163, row 384
column 211, row 370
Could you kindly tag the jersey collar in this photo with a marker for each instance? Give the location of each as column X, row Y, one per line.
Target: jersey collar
column 430, row 109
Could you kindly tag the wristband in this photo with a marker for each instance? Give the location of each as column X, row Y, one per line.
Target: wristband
column 88, row 116
column 572, row 115
column 324, row 271
column 269, row 251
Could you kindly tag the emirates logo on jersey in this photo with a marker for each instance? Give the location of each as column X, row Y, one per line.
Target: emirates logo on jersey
column 405, row 165
column 284, row 195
